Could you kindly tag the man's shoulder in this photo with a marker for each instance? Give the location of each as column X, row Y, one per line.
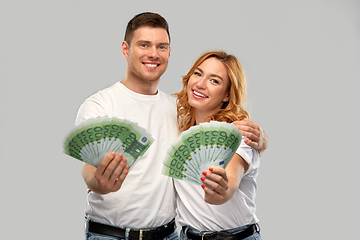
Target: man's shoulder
column 104, row 93
column 167, row 97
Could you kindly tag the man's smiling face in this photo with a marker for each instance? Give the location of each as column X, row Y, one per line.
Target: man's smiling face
column 148, row 54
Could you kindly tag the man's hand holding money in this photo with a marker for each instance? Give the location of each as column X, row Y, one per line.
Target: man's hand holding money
column 108, row 176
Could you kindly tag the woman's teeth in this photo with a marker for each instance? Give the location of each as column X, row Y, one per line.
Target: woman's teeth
column 199, row 94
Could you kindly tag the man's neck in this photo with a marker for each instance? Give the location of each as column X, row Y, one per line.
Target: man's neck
column 141, row 86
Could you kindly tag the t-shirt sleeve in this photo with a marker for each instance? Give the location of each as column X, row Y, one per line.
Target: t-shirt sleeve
column 250, row 155
column 90, row 108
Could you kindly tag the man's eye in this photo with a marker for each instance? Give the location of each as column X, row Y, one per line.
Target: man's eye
column 163, row 48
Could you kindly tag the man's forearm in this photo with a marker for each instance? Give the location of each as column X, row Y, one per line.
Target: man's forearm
column 88, row 173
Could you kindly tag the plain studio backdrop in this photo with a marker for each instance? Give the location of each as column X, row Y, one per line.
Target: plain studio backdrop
column 302, row 62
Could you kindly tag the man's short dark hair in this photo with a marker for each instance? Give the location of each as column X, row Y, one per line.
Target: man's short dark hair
column 145, row 19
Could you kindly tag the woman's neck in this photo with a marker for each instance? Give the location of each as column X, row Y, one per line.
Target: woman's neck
column 201, row 117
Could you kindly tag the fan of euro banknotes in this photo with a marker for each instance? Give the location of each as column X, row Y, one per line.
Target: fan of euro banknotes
column 93, row 139
column 200, row 147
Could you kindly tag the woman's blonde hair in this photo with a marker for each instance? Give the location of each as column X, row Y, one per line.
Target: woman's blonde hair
column 230, row 111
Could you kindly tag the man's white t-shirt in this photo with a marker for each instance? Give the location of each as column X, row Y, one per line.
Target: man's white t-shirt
column 146, row 198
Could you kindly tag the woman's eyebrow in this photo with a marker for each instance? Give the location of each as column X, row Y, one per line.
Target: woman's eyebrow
column 212, row 75
column 217, row 76
column 199, row 69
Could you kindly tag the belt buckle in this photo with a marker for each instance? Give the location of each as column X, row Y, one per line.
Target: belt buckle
column 141, row 233
column 206, row 233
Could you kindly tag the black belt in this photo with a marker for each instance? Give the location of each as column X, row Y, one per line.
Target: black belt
column 145, row 234
column 224, row 235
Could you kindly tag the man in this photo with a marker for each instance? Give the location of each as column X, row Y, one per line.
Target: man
column 139, row 204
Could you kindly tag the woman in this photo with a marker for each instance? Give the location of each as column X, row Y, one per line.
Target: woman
column 215, row 89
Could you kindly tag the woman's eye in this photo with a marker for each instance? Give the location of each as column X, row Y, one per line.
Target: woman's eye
column 214, row 81
column 197, row 74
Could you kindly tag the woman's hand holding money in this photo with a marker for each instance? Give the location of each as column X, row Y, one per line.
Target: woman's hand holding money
column 224, row 182
column 216, row 178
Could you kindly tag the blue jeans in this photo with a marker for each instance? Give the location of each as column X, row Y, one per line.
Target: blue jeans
column 95, row 236
column 255, row 236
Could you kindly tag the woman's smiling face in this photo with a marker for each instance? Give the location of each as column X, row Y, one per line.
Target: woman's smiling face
column 208, row 86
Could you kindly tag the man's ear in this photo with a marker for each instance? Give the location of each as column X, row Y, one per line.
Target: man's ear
column 125, row 48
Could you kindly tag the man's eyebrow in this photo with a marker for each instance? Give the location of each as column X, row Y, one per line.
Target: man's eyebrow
column 148, row 42
column 142, row 41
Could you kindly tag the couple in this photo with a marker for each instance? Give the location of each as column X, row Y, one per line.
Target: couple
column 141, row 204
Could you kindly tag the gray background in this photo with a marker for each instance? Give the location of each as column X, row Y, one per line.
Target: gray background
column 302, row 62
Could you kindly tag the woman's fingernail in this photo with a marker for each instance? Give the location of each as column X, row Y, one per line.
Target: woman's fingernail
column 202, row 185
column 202, row 179
column 211, row 169
column 204, row 173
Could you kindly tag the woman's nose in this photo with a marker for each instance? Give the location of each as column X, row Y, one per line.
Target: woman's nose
column 201, row 84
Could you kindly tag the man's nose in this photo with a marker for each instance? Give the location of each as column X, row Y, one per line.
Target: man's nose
column 153, row 52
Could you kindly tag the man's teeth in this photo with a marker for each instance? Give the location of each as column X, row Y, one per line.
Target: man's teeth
column 151, row 65
column 199, row 94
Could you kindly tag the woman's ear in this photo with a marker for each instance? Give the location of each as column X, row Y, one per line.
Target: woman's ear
column 226, row 98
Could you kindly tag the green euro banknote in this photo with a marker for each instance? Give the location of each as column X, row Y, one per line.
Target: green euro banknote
column 200, row 147
column 94, row 138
